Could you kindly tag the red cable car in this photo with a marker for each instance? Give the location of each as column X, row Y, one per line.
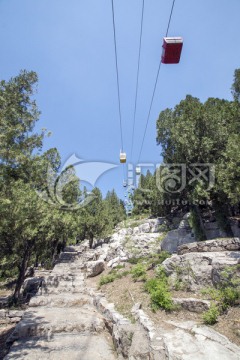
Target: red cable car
column 172, row 48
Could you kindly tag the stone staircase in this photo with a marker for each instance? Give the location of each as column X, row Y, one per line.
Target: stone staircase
column 68, row 320
column 61, row 321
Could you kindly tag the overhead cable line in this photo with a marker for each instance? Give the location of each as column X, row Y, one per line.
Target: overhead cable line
column 117, row 72
column 155, row 86
column 138, row 69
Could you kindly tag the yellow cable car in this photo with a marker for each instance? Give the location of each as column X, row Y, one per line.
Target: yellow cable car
column 123, row 157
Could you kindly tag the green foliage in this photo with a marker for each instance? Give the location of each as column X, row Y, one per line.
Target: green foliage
column 195, row 133
column 135, row 260
column 106, row 279
column 159, row 291
column 139, row 272
column 112, row 276
column 159, row 294
column 161, row 273
column 236, row 85
column 210, row 316
column 94, row 218
column 228, row 292
column 150, row 261
column 115, row 208
column 229, row 296
column 212, row 293
column 32, row 230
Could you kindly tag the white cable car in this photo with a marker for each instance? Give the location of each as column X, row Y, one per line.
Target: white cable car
column 138, row 170
column 123, row 157
column 124, row 184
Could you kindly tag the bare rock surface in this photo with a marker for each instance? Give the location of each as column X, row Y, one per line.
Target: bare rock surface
column 216, row 245
column 192, row 304
column 198, row 270
column 174, row 238
column 188, row 341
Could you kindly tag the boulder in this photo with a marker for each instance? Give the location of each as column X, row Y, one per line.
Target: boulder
column 94, row 268
column 114, row 262
column 192, row 304
column 235, row 227
column 175, row 238
column 31, row 285
column 212, row 230
column 198, row 270
column 215, row 245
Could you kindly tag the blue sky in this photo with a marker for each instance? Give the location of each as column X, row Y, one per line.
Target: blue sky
column 70, row 45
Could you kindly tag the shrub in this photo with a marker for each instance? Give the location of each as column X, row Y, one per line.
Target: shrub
column 210, row 316
column 113, row 275
column 226, row 297
column 105, row 279
column 157, row 259
column 164, row 255
column 161, row 297
column 161, row 273
column 118, row 267
column 134, row 260
column 151, row 285
column 139, row 272
column 229, row 296
column 159, row 291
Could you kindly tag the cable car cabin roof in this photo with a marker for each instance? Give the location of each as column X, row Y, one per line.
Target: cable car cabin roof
column 172, row 48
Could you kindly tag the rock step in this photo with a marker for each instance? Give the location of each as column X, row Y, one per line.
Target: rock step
column 68, row 256
column 61, row 300
column 64, row 347
column 69, row 282
column 72, row 248
column 43, row 321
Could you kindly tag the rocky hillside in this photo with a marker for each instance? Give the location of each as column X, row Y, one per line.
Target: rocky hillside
column 70, row 318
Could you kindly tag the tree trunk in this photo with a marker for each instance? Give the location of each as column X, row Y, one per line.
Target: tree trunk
column 21, row 275
column 201, row 223
column 91, row 242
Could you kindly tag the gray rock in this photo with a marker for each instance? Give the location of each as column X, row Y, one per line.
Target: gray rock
column 71, row 346
column 3, row 314
column 114, row 262
column 95, row 268
column 212, row 230
column 192, row 304
column 175, row 238
column 235, row 227
column 15, row 313
column 31, row 285
column 191, row 341
column 196, row 270
column 215, row 245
